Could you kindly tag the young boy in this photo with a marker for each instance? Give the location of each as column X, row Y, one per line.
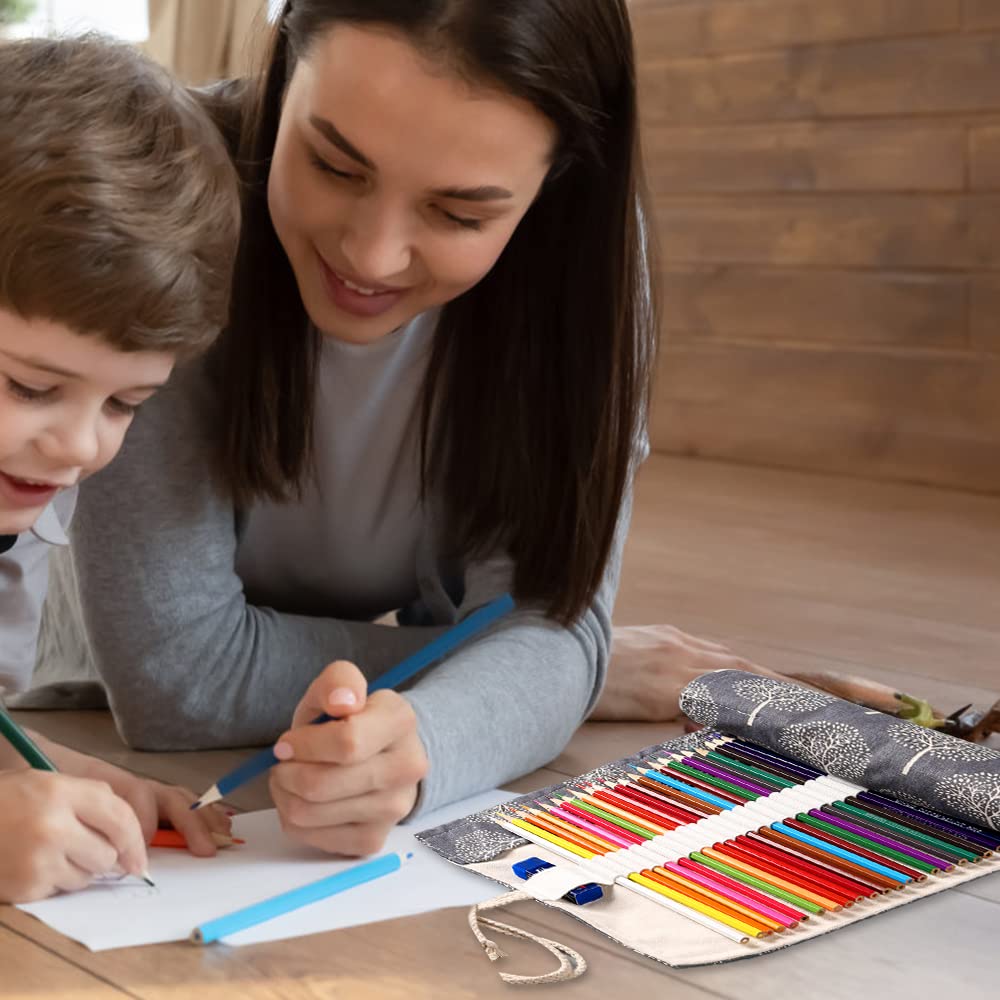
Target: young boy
column 119, row 212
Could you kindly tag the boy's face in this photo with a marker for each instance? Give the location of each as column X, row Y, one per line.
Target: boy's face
column 66, row 401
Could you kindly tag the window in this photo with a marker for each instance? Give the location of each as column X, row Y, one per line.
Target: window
column 125, row 19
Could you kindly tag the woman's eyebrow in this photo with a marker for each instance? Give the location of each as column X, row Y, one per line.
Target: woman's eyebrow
column 484, row 192
column 335, row 137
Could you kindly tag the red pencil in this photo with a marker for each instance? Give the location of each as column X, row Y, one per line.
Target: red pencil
column 634, row 809
column 808, row 868
column 674, row 811
column 785, row 868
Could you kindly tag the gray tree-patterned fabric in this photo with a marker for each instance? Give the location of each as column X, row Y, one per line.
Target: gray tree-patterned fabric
column 778, row 696
column 958, row 778
column 697, row 699
column 834, row 747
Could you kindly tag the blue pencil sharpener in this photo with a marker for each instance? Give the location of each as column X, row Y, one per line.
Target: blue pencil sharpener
column 581, row 895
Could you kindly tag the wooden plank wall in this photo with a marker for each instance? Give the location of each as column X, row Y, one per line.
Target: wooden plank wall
column 826, row 176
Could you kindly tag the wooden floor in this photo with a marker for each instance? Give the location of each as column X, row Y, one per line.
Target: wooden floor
column 793, row 570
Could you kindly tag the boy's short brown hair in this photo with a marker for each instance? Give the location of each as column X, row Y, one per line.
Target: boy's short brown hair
column 119, row 207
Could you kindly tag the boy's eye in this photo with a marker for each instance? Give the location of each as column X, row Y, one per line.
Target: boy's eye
column 25, row 392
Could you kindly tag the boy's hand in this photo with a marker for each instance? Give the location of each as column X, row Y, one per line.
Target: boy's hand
column 343, row 785
column 154, row 803
column 59, row 831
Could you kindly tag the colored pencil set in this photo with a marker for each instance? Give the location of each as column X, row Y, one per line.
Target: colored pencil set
column 744, row 841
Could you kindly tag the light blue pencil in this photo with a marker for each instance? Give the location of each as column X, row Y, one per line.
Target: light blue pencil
column 268, row 909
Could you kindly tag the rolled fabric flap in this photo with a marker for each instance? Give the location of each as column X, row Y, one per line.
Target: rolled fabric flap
column 915, row 765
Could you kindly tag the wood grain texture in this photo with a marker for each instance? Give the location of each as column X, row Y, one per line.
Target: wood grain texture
column 806, row 156
column 698, row 28
column 933, row 75
column 826, row 179
column 980, row 14
column 918, row 418
column 816, row 305
column 887, row 232
column 28, row 971
column 985, row 307
column 984, row 158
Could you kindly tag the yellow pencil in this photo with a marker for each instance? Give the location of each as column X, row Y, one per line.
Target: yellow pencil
column 552, row 838
column 696, row 889
column 694, row 904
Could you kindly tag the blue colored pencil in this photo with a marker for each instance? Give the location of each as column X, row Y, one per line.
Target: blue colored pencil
column 399, row 674
column 294, row 899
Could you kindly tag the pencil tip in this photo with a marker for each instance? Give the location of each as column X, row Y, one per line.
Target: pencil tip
column 145, row 877
column 212, row 795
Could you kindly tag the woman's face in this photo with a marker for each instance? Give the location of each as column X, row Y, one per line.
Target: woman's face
column 395, row 185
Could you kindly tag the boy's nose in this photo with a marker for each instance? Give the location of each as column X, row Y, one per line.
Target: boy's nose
column 73, row 445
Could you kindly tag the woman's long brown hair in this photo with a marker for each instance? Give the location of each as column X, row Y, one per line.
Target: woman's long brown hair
column 537, row 390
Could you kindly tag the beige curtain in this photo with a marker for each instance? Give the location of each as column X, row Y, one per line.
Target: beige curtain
column 206, row 40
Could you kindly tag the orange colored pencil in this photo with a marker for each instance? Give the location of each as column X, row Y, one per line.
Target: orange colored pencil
column 174, row 838
column 541, row 821
column 720, row 900
column 598, row 843
column 812, row 897
column 645, row 878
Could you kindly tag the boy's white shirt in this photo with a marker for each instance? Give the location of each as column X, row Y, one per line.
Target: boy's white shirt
column 24, row 578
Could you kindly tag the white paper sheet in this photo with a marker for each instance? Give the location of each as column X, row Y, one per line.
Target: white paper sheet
column 191, row 890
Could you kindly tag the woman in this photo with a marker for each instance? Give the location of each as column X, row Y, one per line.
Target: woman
column 433, row 389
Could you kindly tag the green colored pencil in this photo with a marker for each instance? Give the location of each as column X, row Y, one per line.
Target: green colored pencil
column 32, row 753
column 23, row 743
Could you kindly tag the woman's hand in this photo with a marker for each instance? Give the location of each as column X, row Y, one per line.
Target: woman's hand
column 651, row 665
column 343, row 785
column 57, row 832
column 154, row 803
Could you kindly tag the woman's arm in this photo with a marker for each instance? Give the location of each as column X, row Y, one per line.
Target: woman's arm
column 508, row 703
column 187, row 662
column 499, row 707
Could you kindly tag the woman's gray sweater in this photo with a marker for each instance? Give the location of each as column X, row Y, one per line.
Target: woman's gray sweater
column 205, row 625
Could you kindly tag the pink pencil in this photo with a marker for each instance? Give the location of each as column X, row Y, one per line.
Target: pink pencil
column 584, row 824
column 629, row 837
column 732, row 894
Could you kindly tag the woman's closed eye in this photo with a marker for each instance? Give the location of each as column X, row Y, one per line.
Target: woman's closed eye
column 320, row 164
column 464, row 222
column 461, row 221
